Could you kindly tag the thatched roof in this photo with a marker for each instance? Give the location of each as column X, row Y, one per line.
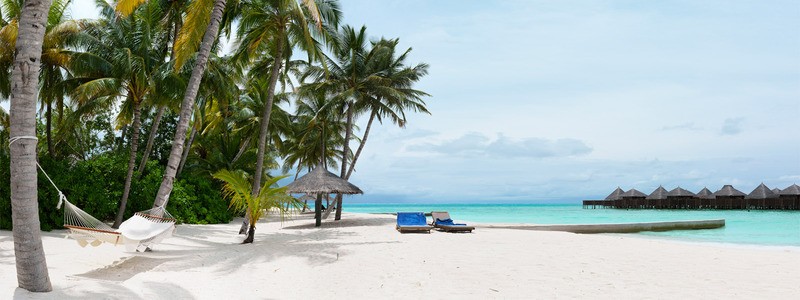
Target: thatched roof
column 777, row 191
column 633, row 193
column 705, row 193
column 679, row 192
column 728, row 191
column 306, row 197
column 616, row 194
column 658, row 194
column 320, row 181
column 762, row 192
column 793, row 189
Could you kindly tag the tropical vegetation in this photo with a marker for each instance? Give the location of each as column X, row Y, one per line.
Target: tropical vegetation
column 146, row 106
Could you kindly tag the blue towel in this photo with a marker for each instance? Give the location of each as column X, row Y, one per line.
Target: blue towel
column 411, row 219
column 448, row 222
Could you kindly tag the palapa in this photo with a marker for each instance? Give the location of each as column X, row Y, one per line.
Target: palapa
column 320, row 181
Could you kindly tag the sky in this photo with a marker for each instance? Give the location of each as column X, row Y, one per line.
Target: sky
column 544, row 101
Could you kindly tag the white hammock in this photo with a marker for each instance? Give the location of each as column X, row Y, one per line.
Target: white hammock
column 143, row 229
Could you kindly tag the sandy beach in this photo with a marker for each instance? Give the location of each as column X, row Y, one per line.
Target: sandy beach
column 363, row 256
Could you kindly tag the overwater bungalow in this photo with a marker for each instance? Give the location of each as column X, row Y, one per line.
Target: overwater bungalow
column 729, row 197
column 632, row 199
column 761, row 197
column 790, row 197
column 657, row 199
column 680, row 198
column 705, row 195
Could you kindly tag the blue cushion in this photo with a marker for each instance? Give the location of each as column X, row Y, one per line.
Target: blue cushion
column 411, row 219
column 448, row 222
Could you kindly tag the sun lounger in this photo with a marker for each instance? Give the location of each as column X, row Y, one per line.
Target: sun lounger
column 412, row 222
column 443, row 222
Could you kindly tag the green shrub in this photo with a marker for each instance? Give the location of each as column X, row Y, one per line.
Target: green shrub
column 95, row 186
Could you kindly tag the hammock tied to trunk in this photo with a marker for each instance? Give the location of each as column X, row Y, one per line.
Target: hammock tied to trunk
column 137, row 233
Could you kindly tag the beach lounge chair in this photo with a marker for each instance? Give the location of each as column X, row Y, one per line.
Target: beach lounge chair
column 412, row 222
column 443, row 222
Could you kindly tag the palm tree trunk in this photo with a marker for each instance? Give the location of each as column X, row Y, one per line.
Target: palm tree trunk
column 188, row 147
column 250, row 235
column 345, row 150
column 137, row 120
column 151, row 138
column 49, row 125
column 28, row 251
column 188, row 102
column 262, row 136
column 360, row 146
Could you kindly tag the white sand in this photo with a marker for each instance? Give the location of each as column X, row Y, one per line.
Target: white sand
column 363, row 256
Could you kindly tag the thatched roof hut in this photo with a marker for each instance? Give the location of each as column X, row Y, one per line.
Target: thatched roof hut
column 777, row 191
column 319, row 181
column 633, row 193
column 705, row 193
column 658, row 194
column 680, row 192
column 616, row 194
column 762, row 192
column 728, row 191
column 792, row 190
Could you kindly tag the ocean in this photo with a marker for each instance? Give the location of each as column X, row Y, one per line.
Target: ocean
column 755, row 227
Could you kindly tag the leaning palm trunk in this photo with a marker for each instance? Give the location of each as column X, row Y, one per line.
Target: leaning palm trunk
column 28, row 251
column 360, row 146
column 262, row 136
column 137, row 120
column 186, row 149
column 345, row 150
column 187, row 104
column 150, row 139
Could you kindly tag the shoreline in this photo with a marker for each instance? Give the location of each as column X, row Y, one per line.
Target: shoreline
column 364, row 256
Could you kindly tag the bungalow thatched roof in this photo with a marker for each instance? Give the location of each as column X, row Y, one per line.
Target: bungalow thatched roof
column 762, row 192
column 680, row 192
column 728, row 191
column 705, row 193
column 633, row 193
column 658, row 194
column 320, row 181
column 793, row 189
column 777, row 191
column 616, row 194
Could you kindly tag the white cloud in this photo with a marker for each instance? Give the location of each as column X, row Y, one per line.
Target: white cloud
column 475, row 144
column 732, row 126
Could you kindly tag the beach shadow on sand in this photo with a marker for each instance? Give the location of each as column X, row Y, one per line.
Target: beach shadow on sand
column 344, row 223
column 125, row 269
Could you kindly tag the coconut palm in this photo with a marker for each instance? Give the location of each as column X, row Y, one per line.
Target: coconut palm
column 31, row 264
column 359, row 79
column 274, row 28
column 123, row 60
column 54, row 61
column 237, row 188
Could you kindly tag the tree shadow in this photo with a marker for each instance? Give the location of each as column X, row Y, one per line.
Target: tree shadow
column 125, row 269
column 344, row 223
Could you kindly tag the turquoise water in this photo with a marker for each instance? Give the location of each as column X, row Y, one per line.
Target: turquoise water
column 774, row 228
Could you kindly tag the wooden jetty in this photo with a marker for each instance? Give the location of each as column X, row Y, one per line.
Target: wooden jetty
column 621, row 228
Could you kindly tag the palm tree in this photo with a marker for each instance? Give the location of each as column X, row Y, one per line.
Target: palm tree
column 396, row 94
column 123, row 60
column 274, row 28
column 54, row 61
column 31, row 264
column 360, row 79
column 237, row 188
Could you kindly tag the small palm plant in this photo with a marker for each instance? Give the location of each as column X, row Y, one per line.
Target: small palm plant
column 237, row 188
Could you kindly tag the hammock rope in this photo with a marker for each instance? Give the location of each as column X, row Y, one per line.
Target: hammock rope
column 140, row 231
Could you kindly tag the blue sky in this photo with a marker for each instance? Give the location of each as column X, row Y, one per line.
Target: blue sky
column 566, row 100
